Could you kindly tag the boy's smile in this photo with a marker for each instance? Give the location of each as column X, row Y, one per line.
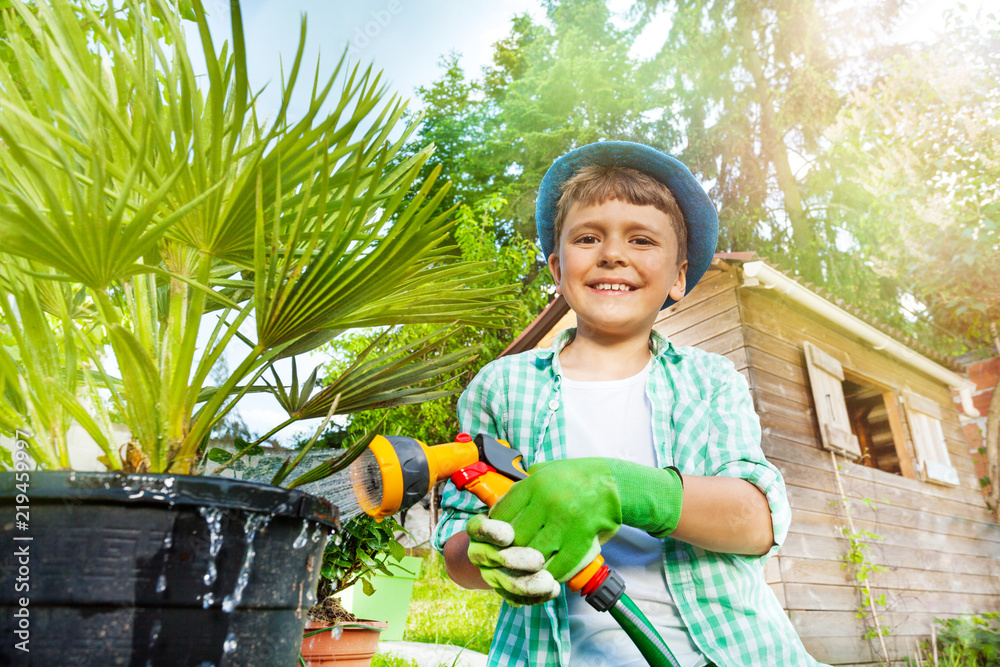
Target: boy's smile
column 616, row 263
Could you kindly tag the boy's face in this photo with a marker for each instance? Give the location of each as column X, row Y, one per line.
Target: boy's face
column 616, row 263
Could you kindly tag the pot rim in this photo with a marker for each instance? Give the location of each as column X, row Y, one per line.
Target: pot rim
column 169, row 490
column 361, row 623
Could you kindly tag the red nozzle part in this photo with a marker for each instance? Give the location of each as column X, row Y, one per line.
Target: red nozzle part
column 469, row 473
column 595, row 581
column 463, row 437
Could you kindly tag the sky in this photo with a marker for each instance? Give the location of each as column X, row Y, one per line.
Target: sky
column 406, row 40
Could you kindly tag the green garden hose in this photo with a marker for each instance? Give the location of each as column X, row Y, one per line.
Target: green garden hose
column 641, row 632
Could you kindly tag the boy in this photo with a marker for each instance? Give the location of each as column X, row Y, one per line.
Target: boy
column 651, row 450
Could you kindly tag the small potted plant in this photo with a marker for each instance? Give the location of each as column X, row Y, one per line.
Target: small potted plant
column 152, row 225
column 333, row 635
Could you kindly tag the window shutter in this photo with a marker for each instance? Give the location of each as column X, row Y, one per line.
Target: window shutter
column 826, row 377
column 933, row 459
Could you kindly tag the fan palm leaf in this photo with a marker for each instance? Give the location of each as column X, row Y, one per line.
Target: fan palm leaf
column 166, row 210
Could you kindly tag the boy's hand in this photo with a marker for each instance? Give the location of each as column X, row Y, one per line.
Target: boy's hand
column 517, row 574
column 566, row 509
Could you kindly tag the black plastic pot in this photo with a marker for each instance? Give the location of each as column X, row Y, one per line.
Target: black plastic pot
column 150, row 570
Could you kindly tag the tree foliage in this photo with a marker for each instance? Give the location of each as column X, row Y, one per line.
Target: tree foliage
column 549, row 89
column 920, row 150
column 751, row 87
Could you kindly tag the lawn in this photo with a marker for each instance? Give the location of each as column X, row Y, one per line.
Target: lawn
column 443, row 613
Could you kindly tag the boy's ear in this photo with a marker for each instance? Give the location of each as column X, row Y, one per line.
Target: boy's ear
column 680, row 284
column 556, row 271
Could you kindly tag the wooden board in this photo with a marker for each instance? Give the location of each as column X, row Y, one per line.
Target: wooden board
column 697, row 312
column 816, row 597
column 720, row 322
column 799, row 545
column 832, row 573
column 877, row 511
column 846, row 623
column 825, row 525
column 712, row 283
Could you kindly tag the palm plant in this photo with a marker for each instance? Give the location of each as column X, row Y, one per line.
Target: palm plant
column 160, row 222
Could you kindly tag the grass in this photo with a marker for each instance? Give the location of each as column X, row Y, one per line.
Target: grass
column 392, row 660
column 441, row 612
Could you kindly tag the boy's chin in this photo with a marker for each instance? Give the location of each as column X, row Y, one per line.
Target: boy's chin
column 610, row 328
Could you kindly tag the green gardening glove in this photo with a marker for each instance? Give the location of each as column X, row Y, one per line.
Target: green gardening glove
column 517, row 574
column 566, row 509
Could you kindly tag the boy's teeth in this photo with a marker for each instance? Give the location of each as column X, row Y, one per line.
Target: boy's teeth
column 616, row 287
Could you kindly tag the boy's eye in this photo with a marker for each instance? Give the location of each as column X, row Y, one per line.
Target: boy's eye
column 587, row 238
column 642, row 240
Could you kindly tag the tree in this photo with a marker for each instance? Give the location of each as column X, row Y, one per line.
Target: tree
column 751, row 86
column 547, row 91
column 922, row 145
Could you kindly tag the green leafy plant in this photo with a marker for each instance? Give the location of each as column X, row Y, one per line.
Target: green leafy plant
column 359, row 552
column 150, row 224
column 858, row 559
column 968, row 641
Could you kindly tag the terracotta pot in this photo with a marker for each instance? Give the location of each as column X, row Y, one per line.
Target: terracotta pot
column 353, row 646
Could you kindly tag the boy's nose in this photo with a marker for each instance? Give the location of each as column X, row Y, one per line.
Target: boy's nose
column 613, row 252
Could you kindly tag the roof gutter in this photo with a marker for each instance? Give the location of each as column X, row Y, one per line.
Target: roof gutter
column 759, row 274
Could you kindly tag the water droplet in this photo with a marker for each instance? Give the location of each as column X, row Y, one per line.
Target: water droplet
column 168, row 541
column 254, row 523
column 213, row 517
column 230, row 644
column 207, row 600
column 212, row 573
column 318, row 533
column 161, row 583
column 300, row 541
column 336, row 632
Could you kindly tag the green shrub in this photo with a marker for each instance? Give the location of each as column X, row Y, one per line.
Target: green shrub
column 969, row 641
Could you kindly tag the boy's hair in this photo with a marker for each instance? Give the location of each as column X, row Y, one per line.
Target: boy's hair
column 596, row 184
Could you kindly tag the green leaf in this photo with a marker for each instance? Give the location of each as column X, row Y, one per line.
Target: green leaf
column 397, row 551
column 367, row 587
column 218, row 455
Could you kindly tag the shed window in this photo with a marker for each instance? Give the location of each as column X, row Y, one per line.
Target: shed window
column 858, row 417
column 875, row 421
column 924, row 417
column 826, row 376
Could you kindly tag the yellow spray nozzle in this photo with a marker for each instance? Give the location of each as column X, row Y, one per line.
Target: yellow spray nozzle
column 396, row 472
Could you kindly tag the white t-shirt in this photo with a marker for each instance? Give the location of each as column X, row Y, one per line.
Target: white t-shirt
column 613, row 419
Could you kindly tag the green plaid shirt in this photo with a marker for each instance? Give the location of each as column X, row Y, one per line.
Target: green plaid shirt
column 704, row 424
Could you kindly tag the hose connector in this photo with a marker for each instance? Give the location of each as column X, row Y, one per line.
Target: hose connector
column 607, row 592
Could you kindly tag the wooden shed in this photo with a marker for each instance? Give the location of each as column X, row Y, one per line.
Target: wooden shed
column 846, row 407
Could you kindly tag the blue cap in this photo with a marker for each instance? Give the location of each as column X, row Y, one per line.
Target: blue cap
column 699, row 211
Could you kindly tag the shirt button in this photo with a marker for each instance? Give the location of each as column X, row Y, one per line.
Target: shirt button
column 553, row 404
